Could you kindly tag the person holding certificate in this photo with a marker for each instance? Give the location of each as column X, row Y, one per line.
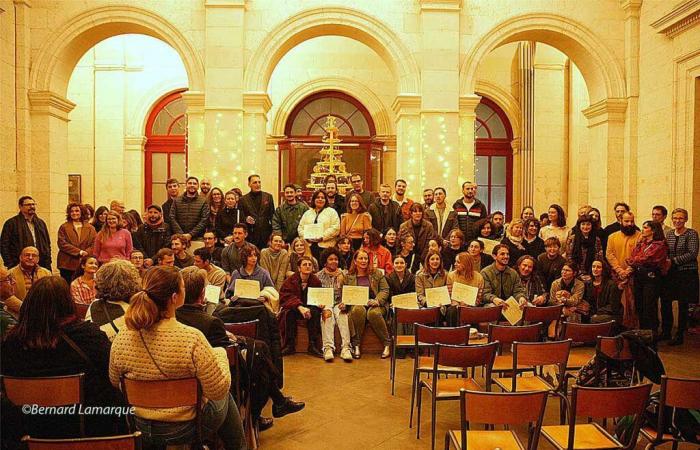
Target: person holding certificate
column 320, row 225
column 464, row 273
column 250, row 270
column 332, row 276
column 401, row 281
column 433, row 275
column 362, row 273
column 356, row 220
column 501, row 282
column 294, row 306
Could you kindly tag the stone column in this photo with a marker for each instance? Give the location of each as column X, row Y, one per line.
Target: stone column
column 632, row 10
column 258, row 159
column 195, row 122
column 526, row 72
column 408, row 134
column 133, row 173
column 518, row 203
column 467, row 149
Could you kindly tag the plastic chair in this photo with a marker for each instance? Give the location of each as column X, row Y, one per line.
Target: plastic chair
column 425, row 316
column 454, row 356
column 246, row 329
column 62, row 390
column 675, row 393
column 584, row 334
column 506, row 335
column 425, row 335
column 599, row 403
column 489, row 408
column 124, row 442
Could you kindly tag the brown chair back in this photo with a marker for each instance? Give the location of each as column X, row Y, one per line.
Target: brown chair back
column 442, row 335
column 680, row 392
column 125, row 442
column 466, row 356
column 615, row 347
column 426, row 316
column 586, row 333
column 542, row 353
column 162, row 393
column 507, row 334
column 245, row 329
column 601, row 403
column 474, row 315
column 44, row 391
column 81, row 309
column 544, row 314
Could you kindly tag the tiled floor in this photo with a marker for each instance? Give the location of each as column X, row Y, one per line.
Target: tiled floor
column 349, row 405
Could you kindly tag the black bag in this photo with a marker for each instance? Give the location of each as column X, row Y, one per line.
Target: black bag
column 646, row 360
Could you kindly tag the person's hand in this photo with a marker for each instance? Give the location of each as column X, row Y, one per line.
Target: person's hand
column 233, row 299
column 372, row 303
column 305, row 312
column 228, row 240
column 82, row 253
column 499, row 301
column 321, row 307
column 148, row 262
column 341, row 307
column 232, row 337
column 539, row 300
column 249, row 220
column 522, row 302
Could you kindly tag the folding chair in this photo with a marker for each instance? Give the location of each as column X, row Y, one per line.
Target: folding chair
column 511, row 408
column 584, row 334
column 454, row 356
column 599, row 403
column 617, row 349
column 425, row 335
column 545, row 314
column 62, row 390
column 245, row 329
column 675, row 393
column 506, row 335
column 474, row 316
column 426, row 316
column 125, row 442
column 169, row 393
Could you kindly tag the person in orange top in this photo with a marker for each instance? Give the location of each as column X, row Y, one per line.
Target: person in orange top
column 620, row 246
column 356, row 221
column 379, row 256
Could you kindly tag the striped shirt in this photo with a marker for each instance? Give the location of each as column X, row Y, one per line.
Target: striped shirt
column 82, row 292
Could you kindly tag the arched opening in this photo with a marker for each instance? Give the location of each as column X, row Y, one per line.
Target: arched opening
column 304, row 129
column 166, row 146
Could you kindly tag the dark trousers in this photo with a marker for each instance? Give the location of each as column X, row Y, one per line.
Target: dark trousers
column 265, row 378
column 681, row 286
column 646, row 294
column 313, row 325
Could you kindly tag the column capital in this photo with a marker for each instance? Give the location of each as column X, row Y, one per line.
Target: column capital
column 440, row 5
column 134, row 143
column 224, row 3
column 406, row 104
column 256, row 102
column 515, row 144
column 631, row 7
column 468, row 104
column 194, row 101
column 25, row 3
column 606, row 110
column 50, row 103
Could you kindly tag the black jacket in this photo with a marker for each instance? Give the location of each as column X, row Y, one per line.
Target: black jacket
column 534, row 248
column 397, row 287
column 189, row 215
column 149, row 240
column 225, row 220
column 467, row 219
column 387, row 217
column 260, row 206
column 212, row 327
column 16, row 236
column 339, row 204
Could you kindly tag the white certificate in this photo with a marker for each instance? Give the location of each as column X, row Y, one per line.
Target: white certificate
column 405, row 301
column 438, row 296
column 212, row 293
column 247, row 289
column 464, row 293
column 313, row 231
column 355, row 295
column 320, row 296
column 513, row 313
column 489, row 244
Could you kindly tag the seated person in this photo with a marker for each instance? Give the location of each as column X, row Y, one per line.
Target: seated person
column 115, row 283
column 293, row 302
column 362, row 273
column 27, row 272
column 379, row 256
column 164, row 257
column 502, row 282
column 215, row 275
column 466, row 274
column 603, row 295
column 568, row 291
column 476, row 251
column 534, row 287
column 82, row 288
column 549, row 263
column 179, row 244
column 251, row 270
column 336, row 314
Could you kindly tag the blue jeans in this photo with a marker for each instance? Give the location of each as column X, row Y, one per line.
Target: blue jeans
column 219, row 417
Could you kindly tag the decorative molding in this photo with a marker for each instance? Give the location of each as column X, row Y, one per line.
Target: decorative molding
column 406, row 104
column 468, row 104
column 256, row 102
column 116, row 68
column 50, row 103
column 515, row 145
column 441, row 5
column 225, row 4
column 134, row 143
column 679, row 19
column 608, row 110
column 543, row 66
column 194, row 102
column 632, row 8
column 26, row 3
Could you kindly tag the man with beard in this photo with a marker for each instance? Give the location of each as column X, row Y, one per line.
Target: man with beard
column 210, row 246
column 620, row 245
column 258, row 208
column 335, row 200
column 204, row 187
column 498, row 220
column 501, row 281
column 153, row 234
column 469, row 210
column 620, row 209
column 231, row 255
column 189, row 213
column 172, row 186
column 286, row 218
column 428, row 197
column 441, row 215
column 400, row 197
column 358, row 187
column 385, row 212
column 25, row 230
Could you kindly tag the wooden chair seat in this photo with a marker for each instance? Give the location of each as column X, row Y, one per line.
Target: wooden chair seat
column 404, row 340
column 449, row 387
column 425, row 363
column 504, row 363
column 524, row 384
column 651, row 434
column 487, row 440
column 479, row 341
column 589, row 436
column 579, row 357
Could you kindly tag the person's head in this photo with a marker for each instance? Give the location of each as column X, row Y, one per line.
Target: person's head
column 195, row 280
column 276, row 241
column 594, row 214
column 385, row 192
column 400, row 187
column 659, row 213
column 29, row 258
column 583, row 210
column 372, row 238
column 527, row 213
column 179, row 243
column 136, row 259
column 231, row 199
column 501, row 254
column 162, row 292
column 356, row 181
column 113, row 220
column 8, row 284
column 330, row 178
column 439, row 195
column 416, row 212
column 290, row 194
column 153, row 214
column 679, row 217
column 544, row 219
column 584, row 224
column 300, row 247
column 130, row 221
column 117, row 281
column 330, row 259
column 74, row 212
column 408, row 242
column 344, row 245
column 118, row 206
column 628, row 226
column 164, row 257
column 433, row 262
column 525, row 266
column 469, row 190
column 475, row 247
column 89, row 211
column 456, row 238
column 205, row 186
column 569, row 271
column 306, row 265
column 209, row 239
column 390, row 237
column 434, row 245
column 192, row 186
column 355, row 203
column 428, row 196
column 240, row 233
column 464, row 265
column 136, row 216
column 653, row 230
column 531, row 227
column 360, row 262
column 250, row 255
column 331, row 188
column 399, row 264
column 172, row 186
column 598, row 268
column 202, row 258
column 46, row 310
column 552, row 246
column 215, row 197
column 497, row 219
column 299, row 192
column 101, row 215
column 620, row 209
column 484, row 227
column 319, row 200
column 556, row 215
column 515, row 229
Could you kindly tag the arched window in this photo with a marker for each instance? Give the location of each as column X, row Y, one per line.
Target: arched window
column 166, row 146
column 494, row 157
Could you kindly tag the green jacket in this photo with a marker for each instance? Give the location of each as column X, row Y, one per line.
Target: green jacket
column 286, row 218
column 378, row 287
column 501, row 284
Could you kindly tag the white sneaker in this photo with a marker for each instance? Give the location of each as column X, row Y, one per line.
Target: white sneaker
column 346, row 354
column 328, row 354
column 357, row 352
column 386, row 352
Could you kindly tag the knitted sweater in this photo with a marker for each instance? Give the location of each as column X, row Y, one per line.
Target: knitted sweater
column 181, row 352
column 683, row 249
column 277, row 264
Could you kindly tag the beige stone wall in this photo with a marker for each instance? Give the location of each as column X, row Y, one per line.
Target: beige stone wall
column 8, row 130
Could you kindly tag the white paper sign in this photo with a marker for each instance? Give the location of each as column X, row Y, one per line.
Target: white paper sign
column 212, row 293
column 355, row 295
column 313, row 231
column 512, row 313
column 464, row 293
column 405, row 301
column 489, row 245
column 320, row 296
column 247, row 289
column 438, row 296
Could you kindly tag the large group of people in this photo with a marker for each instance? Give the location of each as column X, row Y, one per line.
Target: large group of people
column 144, row 278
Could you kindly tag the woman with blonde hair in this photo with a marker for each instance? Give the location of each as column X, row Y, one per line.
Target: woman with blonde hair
column 113, row 241
column 514, row 240
column 464, row 272
column 299, row 248
column 155, row 346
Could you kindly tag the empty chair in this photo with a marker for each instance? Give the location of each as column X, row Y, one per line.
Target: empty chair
column 584, row 334
column 244, row 329
column 545, row 314
column 124, row 442
column 510, row 408
column 506, row 335
column 426, row 316
column 675, row 393
column 476, row 315
column 616, row 349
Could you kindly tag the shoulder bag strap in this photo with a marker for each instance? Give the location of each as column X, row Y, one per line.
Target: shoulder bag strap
column 77, row 349
column 106, row 311
column 151, row 356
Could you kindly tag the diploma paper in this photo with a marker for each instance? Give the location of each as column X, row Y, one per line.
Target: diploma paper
column 355, row 295
column 247, row 289
column 513, row 313
column 320, row 296
column 464, row 293
column 438, row 296
column 405, row 301
column 313, row 231
column 212, row 293
column 489, row 244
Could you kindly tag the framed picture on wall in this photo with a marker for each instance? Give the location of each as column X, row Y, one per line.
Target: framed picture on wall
column 74, row 188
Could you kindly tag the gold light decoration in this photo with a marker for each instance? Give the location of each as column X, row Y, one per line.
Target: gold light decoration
column 331, row 162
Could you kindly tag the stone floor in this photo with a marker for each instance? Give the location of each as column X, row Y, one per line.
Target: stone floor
column 350, row 406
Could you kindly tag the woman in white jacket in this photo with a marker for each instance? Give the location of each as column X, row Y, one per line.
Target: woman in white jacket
column 327, row 217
